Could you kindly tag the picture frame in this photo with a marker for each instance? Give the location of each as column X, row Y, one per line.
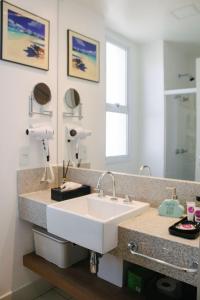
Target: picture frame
column 83, row 59
column 24, row 37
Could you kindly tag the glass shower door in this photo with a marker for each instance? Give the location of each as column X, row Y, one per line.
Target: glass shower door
column 180, row 140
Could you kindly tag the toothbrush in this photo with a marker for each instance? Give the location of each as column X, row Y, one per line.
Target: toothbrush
column 67, row 169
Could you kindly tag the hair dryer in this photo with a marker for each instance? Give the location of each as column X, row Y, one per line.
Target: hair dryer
column 43, row 134
column 74, row 135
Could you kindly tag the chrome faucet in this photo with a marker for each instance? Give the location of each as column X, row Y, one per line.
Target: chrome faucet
column 99, row 185
column 143, row 167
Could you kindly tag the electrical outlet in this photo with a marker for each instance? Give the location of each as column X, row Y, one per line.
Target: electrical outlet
column 24, row 155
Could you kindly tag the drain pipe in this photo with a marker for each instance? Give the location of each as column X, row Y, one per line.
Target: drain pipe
column 94, row 262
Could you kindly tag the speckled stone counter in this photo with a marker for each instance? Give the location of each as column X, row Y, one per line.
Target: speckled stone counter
column 152, row 224
column 149, row 231
column 32, row 207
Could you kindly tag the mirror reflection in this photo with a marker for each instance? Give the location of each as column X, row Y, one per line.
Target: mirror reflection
column 144, row 112
column 72, row 98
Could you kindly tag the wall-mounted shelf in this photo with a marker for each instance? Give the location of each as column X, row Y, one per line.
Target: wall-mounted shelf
column 180, row 91
column 77, row 281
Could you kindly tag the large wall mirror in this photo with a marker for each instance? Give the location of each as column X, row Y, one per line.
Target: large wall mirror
column 144, row 113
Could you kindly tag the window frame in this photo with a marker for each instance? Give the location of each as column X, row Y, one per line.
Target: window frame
column 117, row 108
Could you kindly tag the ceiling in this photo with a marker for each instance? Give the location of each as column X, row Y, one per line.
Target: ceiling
column 145, row 20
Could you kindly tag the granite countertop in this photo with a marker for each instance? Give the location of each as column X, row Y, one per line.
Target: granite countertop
column 32, row 207
column 149, row 232
column 150, row 223
column 43, row 197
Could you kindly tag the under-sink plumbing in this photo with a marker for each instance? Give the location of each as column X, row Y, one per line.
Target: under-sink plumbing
column 94, row 262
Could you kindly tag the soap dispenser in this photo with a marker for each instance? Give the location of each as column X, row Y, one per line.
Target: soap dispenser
column 171, row 207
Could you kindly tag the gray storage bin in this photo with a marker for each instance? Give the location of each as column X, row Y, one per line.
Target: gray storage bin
column 56, row 250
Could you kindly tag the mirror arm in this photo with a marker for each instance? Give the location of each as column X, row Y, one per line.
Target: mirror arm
column 71, row 114
column 32, row 112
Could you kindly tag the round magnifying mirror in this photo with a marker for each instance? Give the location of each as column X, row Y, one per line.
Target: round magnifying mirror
column 72, row 98
column 42, row 93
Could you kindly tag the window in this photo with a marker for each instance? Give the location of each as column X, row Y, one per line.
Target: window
column 116, row 101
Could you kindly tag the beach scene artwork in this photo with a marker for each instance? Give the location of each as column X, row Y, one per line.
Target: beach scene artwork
column 25, row 38
column 83, row 57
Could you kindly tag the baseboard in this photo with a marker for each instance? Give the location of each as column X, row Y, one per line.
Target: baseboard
column 28, row 292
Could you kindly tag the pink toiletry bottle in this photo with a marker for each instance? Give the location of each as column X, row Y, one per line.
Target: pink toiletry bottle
column 197, row 210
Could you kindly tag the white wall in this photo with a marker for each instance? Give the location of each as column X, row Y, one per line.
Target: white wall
column 151, row 111
column 17, row 83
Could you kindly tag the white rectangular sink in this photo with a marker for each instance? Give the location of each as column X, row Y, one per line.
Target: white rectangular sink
column 90, row 221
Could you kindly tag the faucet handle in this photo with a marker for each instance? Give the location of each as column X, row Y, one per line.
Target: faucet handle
column 99, row 191
column 174, row 195
column 127, row 199
column 113, row 198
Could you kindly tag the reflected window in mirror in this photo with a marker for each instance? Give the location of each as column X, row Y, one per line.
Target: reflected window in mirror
column 116, row 101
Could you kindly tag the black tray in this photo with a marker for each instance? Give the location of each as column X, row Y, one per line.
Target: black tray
column 187, row 234
column 57, row 195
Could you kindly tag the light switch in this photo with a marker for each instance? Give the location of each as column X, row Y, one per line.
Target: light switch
column 24, row 155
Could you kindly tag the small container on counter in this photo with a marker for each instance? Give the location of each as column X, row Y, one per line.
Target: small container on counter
column 171, row 207
column 185, row 229
column 190, row 210
column 197, row 210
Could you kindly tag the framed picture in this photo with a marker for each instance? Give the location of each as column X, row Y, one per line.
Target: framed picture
column 83, row 57
column 24, row 37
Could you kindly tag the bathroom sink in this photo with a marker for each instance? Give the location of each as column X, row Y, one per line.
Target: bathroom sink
column 91, row 221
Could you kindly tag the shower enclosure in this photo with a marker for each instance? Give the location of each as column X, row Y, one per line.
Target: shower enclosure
column 180, row 136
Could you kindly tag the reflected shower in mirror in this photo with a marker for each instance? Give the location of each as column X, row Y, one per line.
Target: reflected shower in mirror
column 180, row 136
column 144, row 112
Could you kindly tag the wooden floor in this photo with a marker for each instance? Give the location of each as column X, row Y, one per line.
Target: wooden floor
column 53, row 294
column 77, row 281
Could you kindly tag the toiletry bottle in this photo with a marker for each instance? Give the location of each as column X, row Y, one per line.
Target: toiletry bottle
column 171, row 207
column 190, row 210
column 197, row 210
